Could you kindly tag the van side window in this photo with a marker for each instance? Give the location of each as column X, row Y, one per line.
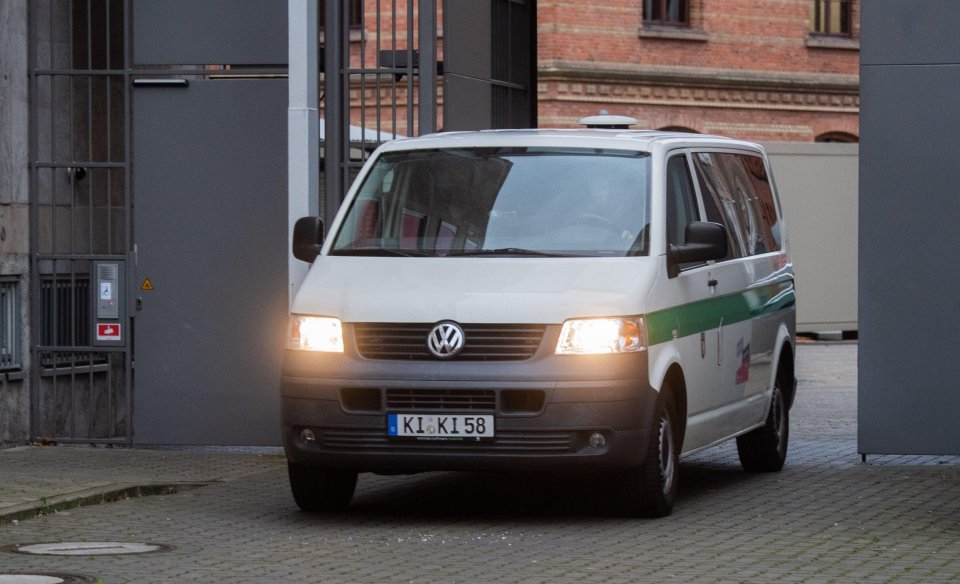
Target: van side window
column 681, row 200
column 737, row 193
column 757, row 172
column 718, row 201
column 744, row 208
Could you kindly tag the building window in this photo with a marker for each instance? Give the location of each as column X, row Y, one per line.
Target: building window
column 9, row 325
column 831, row 17
column 666, row 12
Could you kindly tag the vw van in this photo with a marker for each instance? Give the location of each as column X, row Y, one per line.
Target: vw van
column 597, row 300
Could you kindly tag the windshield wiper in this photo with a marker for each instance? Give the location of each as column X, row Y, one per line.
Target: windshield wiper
column 377, row 251
column 507, row 251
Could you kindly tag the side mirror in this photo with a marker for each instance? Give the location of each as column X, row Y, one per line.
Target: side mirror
column 307, row 238
column 705, row 241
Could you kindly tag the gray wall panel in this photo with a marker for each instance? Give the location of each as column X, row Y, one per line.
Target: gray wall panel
column 489, row 64
column 188, row 32
column 909, row 280
column 211, row 234
column 909, row 32
column 472, row 97
column 468, row 23
column 467, row 64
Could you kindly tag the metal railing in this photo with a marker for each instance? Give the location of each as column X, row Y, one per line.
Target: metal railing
column 378, row 85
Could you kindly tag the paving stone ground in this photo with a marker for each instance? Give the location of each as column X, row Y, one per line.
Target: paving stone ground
column 827, row 517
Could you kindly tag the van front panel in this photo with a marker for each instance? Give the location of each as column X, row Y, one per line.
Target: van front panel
column 545, row 408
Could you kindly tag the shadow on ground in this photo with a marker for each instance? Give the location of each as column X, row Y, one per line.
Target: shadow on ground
column 518, row 496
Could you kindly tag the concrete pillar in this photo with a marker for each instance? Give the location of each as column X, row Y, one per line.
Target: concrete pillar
column 15, row 208
column 303, row 124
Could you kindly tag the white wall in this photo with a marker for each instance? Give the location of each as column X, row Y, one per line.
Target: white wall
column 818, row 185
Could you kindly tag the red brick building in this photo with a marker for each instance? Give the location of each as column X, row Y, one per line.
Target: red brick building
column 764, row 70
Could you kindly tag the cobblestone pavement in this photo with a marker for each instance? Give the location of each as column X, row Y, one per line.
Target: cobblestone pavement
column 826, row 517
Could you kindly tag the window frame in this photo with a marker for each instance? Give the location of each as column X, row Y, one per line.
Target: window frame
column 694, row 194
column 671, row 200
column 742, row 204
column 821, row 14
column 11, row 354
column 662, row 19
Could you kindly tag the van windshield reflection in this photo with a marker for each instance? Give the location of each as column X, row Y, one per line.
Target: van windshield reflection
column 516, row 201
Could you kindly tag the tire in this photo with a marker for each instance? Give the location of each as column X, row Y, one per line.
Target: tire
column 765, row 449
column 650, row 490
column 318, row 489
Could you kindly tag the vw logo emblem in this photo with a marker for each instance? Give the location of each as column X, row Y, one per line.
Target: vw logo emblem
column 445, row 340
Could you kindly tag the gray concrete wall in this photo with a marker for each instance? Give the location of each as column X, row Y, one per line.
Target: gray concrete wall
column 909, row 394
column 818, row 192
column 14, row 206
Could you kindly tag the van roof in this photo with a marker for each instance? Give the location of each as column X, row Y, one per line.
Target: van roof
column 644, row 140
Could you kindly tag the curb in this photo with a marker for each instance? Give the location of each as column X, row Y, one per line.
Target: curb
column 93, row 496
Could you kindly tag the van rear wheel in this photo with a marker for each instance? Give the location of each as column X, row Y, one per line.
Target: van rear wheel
column 765, row 449
column 318, row 489
column 650, row 490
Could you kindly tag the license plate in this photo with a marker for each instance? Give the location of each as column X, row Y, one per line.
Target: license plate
column 440, row 426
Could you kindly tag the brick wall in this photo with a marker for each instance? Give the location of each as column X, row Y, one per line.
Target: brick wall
column 744, row 68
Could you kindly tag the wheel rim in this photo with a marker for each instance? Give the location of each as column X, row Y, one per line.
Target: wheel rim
column 667, row 459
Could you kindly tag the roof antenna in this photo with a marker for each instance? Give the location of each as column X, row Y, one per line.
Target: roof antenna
column 604, row 120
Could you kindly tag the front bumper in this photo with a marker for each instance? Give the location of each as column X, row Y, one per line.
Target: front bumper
column 545, row 408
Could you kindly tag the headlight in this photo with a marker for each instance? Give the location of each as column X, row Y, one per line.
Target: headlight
column 597, row 336
column 316, row 333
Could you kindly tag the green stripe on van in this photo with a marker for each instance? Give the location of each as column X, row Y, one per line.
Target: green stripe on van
column 704, row 315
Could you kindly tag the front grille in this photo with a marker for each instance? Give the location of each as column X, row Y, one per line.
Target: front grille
column 507, row 441
column 483, row 342
column 441, row 399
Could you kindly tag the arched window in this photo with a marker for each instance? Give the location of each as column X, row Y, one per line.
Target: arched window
column 678, row 129
column 844, row 137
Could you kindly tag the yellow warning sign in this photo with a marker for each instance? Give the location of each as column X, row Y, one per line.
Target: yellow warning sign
column 147, row 284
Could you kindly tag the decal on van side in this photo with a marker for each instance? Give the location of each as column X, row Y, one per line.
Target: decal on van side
column 705, row 315
column 743, row 353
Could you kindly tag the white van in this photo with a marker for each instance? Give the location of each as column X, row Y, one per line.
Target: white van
column 591, row 300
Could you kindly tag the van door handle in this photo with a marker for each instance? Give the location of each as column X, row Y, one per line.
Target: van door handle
column 712, row 282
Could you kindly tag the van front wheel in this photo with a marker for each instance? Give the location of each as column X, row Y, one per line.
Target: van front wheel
column 765, row 449
column 321, row 489
column 650, row 490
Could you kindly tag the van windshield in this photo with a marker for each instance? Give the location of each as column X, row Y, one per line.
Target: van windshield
column 518, row 201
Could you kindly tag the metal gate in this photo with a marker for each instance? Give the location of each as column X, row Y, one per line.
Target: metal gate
column 80, row 217
column 378, row 84
column 382, row 62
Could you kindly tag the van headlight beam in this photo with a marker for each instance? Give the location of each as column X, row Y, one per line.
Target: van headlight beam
column 315, row 333
column 600, row 336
